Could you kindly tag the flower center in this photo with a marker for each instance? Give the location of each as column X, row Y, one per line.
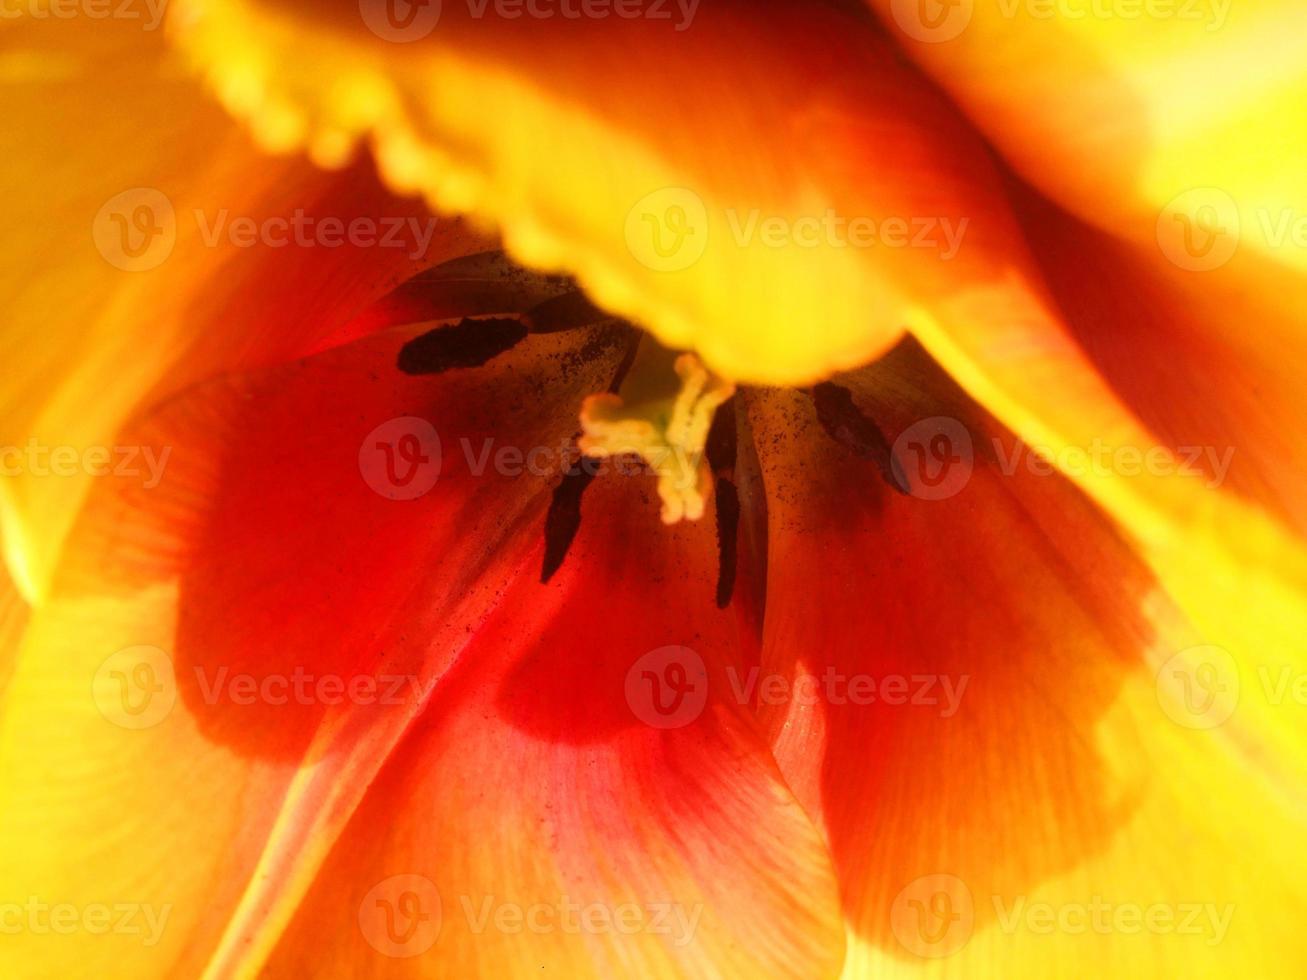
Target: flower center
column 662, row 414
column 661, row 408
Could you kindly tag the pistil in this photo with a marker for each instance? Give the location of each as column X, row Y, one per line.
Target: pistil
column 662, row 414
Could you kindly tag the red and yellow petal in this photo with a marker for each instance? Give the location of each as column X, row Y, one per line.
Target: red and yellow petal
column 586, row 795
column 230, row 653
column 992, row 728
column 105, row 130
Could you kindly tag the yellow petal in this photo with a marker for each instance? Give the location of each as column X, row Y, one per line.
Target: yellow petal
column 143, row 255
column 1130, row 113
column 13, row 620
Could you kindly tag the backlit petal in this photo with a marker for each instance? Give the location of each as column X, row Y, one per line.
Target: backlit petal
column 149, row 245
column 1003, row 756
column 586, row 796
column 1116, row 110
column 156, row 745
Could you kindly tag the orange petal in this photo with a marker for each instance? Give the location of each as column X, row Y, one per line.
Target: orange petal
column 175, row 733
column 103, row 313
column 585, row 796
column 986, row 713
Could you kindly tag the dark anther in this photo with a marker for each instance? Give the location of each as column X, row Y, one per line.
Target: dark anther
column 468, row 343
column 721, row 448
column 624, row 368
column 721, row 444
column 564, row 517
column 845, row 423
column 565, row 312
column 728, row 534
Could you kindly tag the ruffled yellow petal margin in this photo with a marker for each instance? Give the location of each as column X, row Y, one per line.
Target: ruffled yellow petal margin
column 556, row 132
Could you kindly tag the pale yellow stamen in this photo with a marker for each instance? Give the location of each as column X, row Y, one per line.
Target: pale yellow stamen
column 668, row 429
